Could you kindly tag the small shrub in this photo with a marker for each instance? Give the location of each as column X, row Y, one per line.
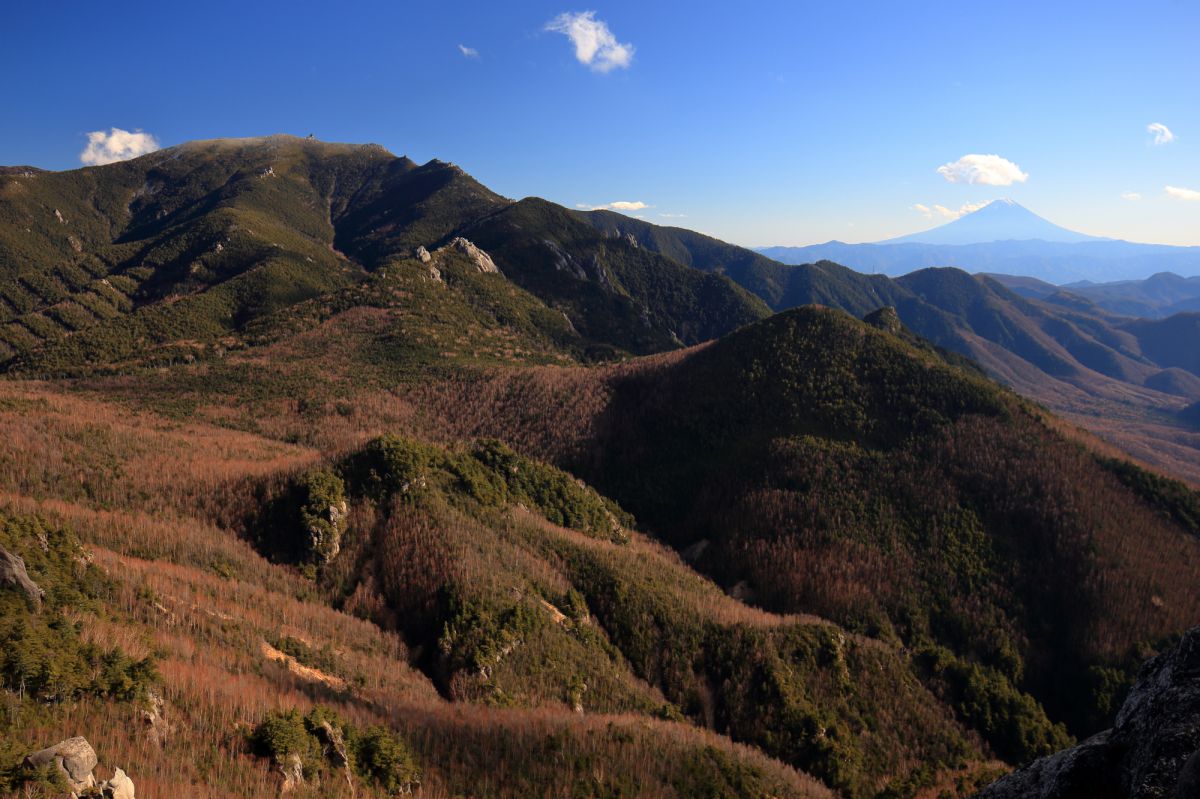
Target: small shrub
column 385, row 758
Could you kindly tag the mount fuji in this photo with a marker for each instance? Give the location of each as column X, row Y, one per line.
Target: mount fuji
column 1004, row 237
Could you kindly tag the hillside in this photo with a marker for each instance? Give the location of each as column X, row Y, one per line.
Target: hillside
column 512, row 500
column 1110, row 374
column 815, row 414
column 202, row 249
column 173, row 254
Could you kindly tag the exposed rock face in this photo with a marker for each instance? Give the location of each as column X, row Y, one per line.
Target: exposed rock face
column 885, row 318
column 158, row 726
column 333, row 746
column 292, row 768
column 599, row 274
column 563, row 261
column 423, row 255
column 483, row 262
column 12, row 573
column 74, row 757
column 1153, row 751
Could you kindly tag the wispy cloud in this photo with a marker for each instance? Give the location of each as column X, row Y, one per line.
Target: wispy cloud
column 674, row 216
column 116, row 145
column 619, row 205
column 468, row 52
column 595, row 44
column 944, row 212
column 1132, row 196
column 1162, row 134
column 984, row 170
column 1187, row 195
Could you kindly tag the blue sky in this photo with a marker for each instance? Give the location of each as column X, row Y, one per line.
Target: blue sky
column 758, row 122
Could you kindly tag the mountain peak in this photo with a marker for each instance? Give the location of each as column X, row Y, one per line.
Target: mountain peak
column 1000, row 220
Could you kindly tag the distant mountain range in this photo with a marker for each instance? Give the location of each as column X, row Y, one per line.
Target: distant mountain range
column 1158, row 296
column 1006, row 238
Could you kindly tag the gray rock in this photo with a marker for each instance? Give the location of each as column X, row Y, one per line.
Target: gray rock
column 12, row 573
column 423, row 255
column 74, row 757
column 483, row 262
column 1152, row 752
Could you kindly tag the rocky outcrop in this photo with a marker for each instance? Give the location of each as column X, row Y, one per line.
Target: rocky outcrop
column 885, row 319
column 158, row 727
column 1152, row 752
column 325, row 530
column 483, row 262
column 13, row 574
column 333, row 746
column 119, row 787
column 564, row 261
column 423, row 255
column 74, row 758
column 292, row 769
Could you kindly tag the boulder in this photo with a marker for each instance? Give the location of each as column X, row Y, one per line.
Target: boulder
column 423, row 255
column 1152, row 751
column 12, row 573
column 74, row 757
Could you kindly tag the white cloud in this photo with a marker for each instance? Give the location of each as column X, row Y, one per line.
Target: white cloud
column 116, row 145
column 943, row 211
column 1132, row 196
column 619, row 205
column 1162, row 134
column 469, row 52
column 985, row 170
column 1188, row 195
column 674, row 216
column 595, row 44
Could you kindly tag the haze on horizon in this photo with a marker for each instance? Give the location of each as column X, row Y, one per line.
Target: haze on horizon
column 771, row 124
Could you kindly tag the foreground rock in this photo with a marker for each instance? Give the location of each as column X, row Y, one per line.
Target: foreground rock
column 75, row 759
column 1152, row 752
